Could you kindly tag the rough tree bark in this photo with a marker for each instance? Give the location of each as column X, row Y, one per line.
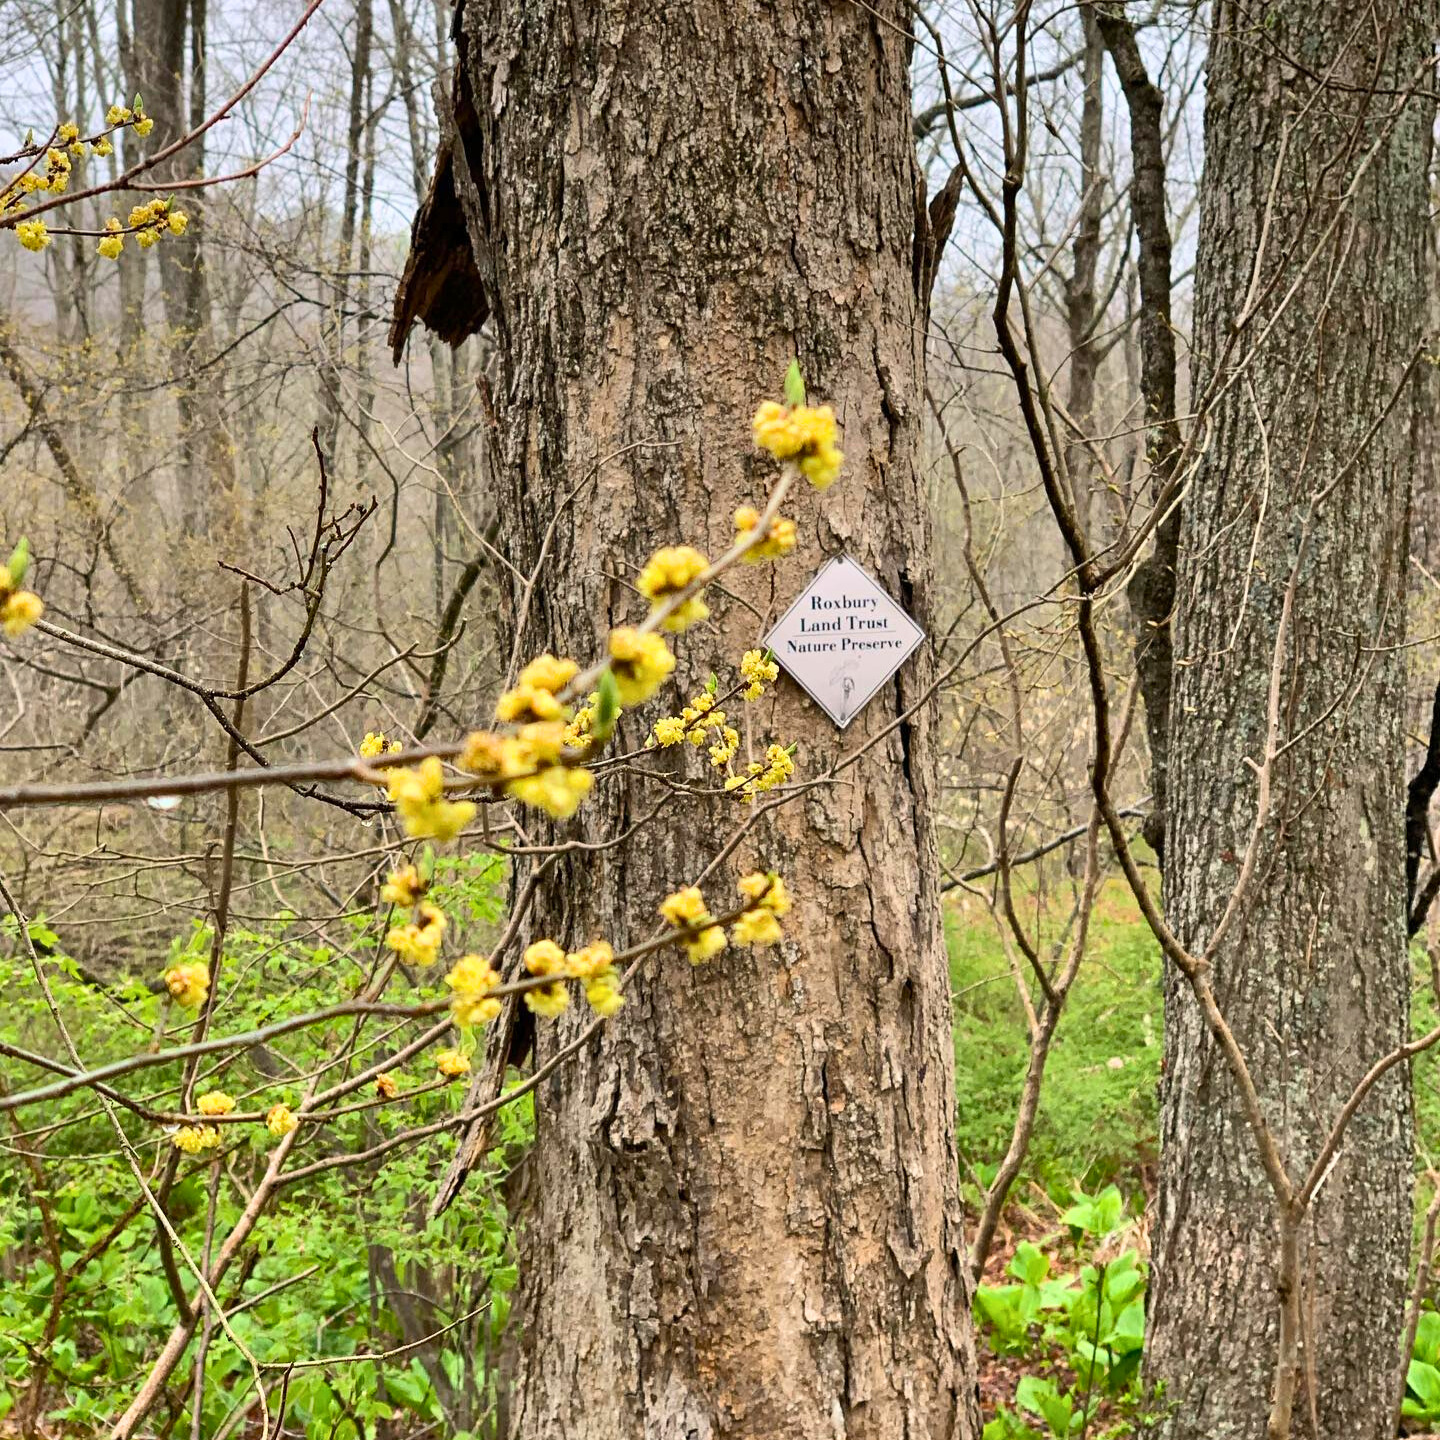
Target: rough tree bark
column 742, row 1215
column 1307, row 472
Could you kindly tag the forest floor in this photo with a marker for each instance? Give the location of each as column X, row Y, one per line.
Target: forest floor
column 1096, row 1125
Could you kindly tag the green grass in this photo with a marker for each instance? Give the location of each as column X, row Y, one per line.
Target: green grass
column 1097, row 1118
column 1097, row 1111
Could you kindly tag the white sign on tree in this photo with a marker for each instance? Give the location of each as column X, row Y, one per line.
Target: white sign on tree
column 842, row 639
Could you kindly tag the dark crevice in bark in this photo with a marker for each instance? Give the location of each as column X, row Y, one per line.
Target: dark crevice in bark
column 1417, row 825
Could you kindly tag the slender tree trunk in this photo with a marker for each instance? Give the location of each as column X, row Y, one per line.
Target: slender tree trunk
column 333, row 365
column 1306, row 475
column 1081, row 301
column 743, row 1213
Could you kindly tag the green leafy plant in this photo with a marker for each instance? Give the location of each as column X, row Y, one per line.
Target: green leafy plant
column 1422, row 1378
column 1095, row 1318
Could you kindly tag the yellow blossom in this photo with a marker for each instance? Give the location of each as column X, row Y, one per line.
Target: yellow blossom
column 723, row 751
column 666, row 574
column 640, row 663
column 188, row 984
column 472, row 979
column 419, row 793
column 602, row 993
column 375, row 744
column 528, row 702
column 757, row 670
column 280, row 1120
column 686, row 908
column 779, row 537
column 546, row 672
column 193, row 1139
column 67, row 132
column 767, row 890
column 776, row 770
column 760, row 925
column 387, row 1087
column 803, row 433
column 103, row 147
column 419, row 942
column 548, row 1001
column 579, row 731
column 704, row 946
column 545, row 958
column 590, row 960
column 594, row 966
column 144, row 126
column 403, row 887
column 669, row 731
column 494, row 757
column 32, row 234
column 111, row 246
column 756, row 927
column 215, row 1102
column 452, row 1064
column 19, row 611
column 557, row 789
column 176, row 221
column 117, row 115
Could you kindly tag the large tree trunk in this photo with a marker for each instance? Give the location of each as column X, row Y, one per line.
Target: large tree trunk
column 1305, row 473
column 742, row 1216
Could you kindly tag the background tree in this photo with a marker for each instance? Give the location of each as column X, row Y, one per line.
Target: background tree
column 1286, row 826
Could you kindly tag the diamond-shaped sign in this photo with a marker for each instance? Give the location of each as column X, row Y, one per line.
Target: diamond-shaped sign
column 842, row 639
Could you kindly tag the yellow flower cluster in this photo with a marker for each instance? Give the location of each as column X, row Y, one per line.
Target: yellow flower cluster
column 546, row 958
column 147, row 223
column 694, row 723
column 54, row 179
column 529, row 765
column 547, row 672
column 666, row 574
column 527, row 704
column 419, row 941
column 188, row 984
column 760, row 924
column 419, row 796
column 19, row 609
column 387, row 1087
column 452, row 1064
column 193, row 1139
column 280, row 1121
column 685, row 909
column 779, row 536
column 592, row 965
column 777, row 769
column 804, row 434
column 472, row 979
column 375, row 744
column 404, row 886
column 758, row 670
column 580, row 731
column 639, row 663
column 137, row 119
